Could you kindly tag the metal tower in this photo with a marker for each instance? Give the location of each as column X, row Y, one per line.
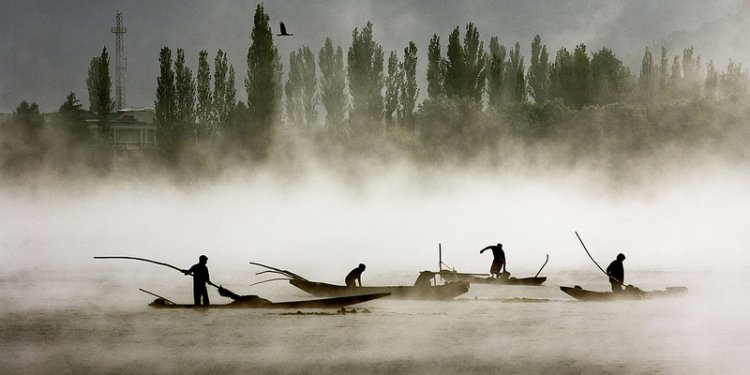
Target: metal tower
column 120, row 61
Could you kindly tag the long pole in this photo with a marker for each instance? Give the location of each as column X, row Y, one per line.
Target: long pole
column 597, row 264
column 154, row 262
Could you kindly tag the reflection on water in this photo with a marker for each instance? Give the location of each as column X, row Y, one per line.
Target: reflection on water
column 109, row 328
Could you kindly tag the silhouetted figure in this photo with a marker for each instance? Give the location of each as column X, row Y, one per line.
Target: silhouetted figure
column 282, row 28
column 616, row 273
column 425, row 279
column 200, row 278
column 355, row 276
column 497, row 270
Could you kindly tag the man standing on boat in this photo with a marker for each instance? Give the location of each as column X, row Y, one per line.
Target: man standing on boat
column 497, row 269
column 200, row 278
column 355, row 275
column 616, row 273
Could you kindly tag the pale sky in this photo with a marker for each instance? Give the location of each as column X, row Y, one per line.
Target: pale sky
column 46, row 46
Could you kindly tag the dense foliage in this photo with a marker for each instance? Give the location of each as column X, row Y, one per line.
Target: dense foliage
column 481, row 106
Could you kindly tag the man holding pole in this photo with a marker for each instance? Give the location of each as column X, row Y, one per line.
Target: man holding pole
column 616, row 273
column 200, row 278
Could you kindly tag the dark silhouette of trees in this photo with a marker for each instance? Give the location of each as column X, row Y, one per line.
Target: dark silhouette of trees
column 365, row 72
column 103, row 94
column 300, row 89
column 733, row 82
column 435, row 69
column 475, row 59
column 92, row 81
column 333, row 85
column 476, row 107
column 465, row 74
column 711, row 84
column 204, row 118
column 184, row 98
column 608, row 78
column 455, row 73
column 563, row 78
column 27, row 116
column 496, row 77
column 409, row 91
column 538, row 74
column 515, row 76
column 392, row 85
column 70, row 120
column 663, row 80
column 224, row 95
column 168, row 130
column 263, row 86
column 646, row 79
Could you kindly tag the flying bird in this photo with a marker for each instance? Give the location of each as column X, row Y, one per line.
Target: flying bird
column 283, row 30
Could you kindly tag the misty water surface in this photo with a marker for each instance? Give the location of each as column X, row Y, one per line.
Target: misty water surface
column 64, row 311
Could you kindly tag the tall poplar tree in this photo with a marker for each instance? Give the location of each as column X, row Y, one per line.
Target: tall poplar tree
column 203, row 102
column 184, row 97
column 104, row 102
column 392, row 82
column 563, row 78
column 496, row 75
column 332, row 85
column 262, row 85
column 365, row 72
column 646, row 78
column 409, row 90
column 309, row 94
column 92, row 81
column 663, row 86
column 435, row 69
column 515, row 75
column 711, row 83
column 455, row 72
column 538, row 74
column 675, row 78
column 224, row 96
column 165, row 107
column 475, row 58
column 293, row 92
column 691, row 66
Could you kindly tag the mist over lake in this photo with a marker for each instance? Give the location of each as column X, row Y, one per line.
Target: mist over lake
column 65, row 311
column 313, row 137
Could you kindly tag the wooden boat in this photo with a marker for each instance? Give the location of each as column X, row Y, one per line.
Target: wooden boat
column 630, row 293
column 436, row 292
column 451, row 275
column 320, row 289
column 478, row 279
column 255, row 302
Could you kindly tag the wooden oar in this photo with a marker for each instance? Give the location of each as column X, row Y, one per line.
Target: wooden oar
column 597, row 264
column 545, row 263
column 155, row 262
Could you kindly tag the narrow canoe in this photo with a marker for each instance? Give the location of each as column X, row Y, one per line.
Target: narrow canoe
column 474, row 279
column 255, row 302
column 628, row 294
column 438, row 292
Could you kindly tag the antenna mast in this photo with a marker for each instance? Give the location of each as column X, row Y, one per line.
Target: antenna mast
column 120, row 61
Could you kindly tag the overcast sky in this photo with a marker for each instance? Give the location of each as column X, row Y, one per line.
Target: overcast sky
column 46, row 45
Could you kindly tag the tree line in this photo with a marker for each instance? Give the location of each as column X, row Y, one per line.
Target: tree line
column 477, row 99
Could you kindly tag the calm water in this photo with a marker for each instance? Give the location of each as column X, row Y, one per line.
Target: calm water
column 61, row 324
